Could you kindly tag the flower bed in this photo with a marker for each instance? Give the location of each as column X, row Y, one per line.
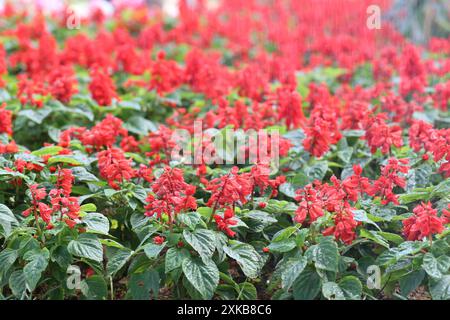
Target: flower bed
column 122, row 175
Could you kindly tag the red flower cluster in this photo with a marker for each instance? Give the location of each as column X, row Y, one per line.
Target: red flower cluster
column 323, row 128
column 3, row 66
column 166, row 76
column 102, row 87
column 171, row 195
column 60, row 201
column 380, row 135
column 224, row 223
column 62, row 83
column 103, row 134
column 424, row 223
column 437, row 142
column 5, row 120
column 344, row 226
column 114, row 167
column 310, row 204
column 229, row 189
column 389, row 179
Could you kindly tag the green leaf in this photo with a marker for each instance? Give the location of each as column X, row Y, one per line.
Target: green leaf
column 204, row 277
column 18, row 284
column 7, row 259
column 7, row 219
column 317, row 171
column 88, row 207
column 307, row 286
column 431, row 266
column 37, row 116
column 345, row 154
column 372, row 235
column 247, row 291
column 152, row 250
column 332, row 291
column 143, row 285
column 38, row 261
column 64, row 159
column 118, row 260
column 326, row 255
column 190, row 219
column 246, row 256
column 294, row 267
column 86, row 246
column 174, row 258
column 281, row 246
column 96, row 222
column 395, row 238
column 203, row 241
column 81, row 174
column 411, row 281
column 94, row 288
column 50, row 150
column 139, row 125
column 440, row 289
column 257, row 220
column 351, row 287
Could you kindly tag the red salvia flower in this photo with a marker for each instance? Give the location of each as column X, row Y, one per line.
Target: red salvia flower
column 380, row 135
column 5, row 120
column 102, row 86
column 114, row 167
column 224, row 223
column 62, row 83
column 229, row 189
column 172, row 195
column 310, row 204
column 344, row 227
column 389, row 179
column 158, row 240
column 424, row 223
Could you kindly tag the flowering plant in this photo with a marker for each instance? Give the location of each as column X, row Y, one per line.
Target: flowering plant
column 94, row 204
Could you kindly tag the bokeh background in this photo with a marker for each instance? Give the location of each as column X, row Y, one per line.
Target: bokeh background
column 419, row 20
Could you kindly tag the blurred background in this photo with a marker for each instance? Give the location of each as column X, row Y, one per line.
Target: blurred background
column 419, row 20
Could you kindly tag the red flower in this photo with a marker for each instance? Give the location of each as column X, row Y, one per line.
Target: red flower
column 356, row 184
column 290, row 107
column 224, row 222
column 89, row 272
column 309, row 204
column 229, row 189
column 424, row 223
column 161, row 141
column 172, row 195
column 129, row 144
column 344, row 226
column 103, row 134
column 380, row 135
column 5, row 120
column 166, row 75
column 318, row 139
column 102, row 86
column 114, row 167
column 62, row 83
column 389, row 179
column 159, row 240
column 3, row 66
column 37, row 207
